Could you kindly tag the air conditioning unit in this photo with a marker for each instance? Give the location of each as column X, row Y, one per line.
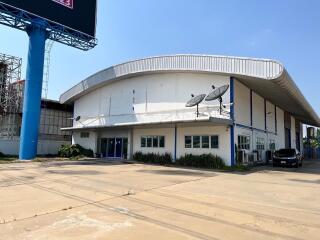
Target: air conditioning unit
column 243, row 157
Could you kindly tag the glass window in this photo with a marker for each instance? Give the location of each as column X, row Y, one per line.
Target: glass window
column 155, row 141
column 272, row 144
column 161, row 141
column 188, row 142
column 82, row 134
column 143, row 142
column 244, row 142
column 214, row 141
column 149, row 142
column 205, row 141
column 260, row 144
column 196, row 141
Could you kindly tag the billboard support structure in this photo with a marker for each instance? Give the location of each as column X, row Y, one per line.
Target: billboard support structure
column 39, row 30
column 32, row 92
column 11, row 89
column 20, row 20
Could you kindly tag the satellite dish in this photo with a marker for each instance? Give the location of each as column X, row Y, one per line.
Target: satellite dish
column 195, row 101
column 217, row 93
column 77, row 118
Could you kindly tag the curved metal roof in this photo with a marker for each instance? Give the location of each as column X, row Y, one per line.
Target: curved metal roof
column 268, row 78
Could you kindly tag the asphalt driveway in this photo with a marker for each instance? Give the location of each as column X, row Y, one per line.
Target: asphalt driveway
column 94, row 200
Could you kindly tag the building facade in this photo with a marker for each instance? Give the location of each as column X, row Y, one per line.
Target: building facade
column 54, row 116
column 140, row 106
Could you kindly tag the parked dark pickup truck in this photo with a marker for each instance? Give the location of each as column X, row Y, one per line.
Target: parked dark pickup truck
column 287, row 157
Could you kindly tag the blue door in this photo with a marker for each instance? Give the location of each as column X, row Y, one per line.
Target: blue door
column 111, row 147
column 118, row 147
column 104, row 147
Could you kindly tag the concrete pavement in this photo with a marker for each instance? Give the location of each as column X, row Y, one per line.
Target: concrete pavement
column 94, row 200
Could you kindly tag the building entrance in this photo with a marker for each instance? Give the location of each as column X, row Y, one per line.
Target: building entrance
column 114, row 147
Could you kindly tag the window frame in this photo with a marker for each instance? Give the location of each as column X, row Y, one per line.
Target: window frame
column 191, row 144
column 185, row 145
column 160, row 141
column 260, row 144
column 272, row 142
column 218, row 142
column 244, row 145
column 83, row 134
column 205, row 136
column 143, row 142
column 157, row 141
column 148, row 141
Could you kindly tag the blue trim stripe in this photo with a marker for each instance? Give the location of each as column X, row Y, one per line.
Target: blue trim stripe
column 232, row 117
column 275, row 119
column 251, row 108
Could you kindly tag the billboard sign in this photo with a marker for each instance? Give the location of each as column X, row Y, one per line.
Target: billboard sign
column 76, row 15
column 66, row 3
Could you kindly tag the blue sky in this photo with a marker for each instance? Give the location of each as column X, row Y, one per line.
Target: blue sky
column 285, row 30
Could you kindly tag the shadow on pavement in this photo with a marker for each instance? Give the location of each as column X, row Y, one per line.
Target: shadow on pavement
column 181, row 172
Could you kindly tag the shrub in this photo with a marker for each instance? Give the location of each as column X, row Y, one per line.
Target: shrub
column 155, row 158
column 71, row 151
column 202, row 161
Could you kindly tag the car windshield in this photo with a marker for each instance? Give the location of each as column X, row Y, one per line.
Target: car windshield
column 286, row 153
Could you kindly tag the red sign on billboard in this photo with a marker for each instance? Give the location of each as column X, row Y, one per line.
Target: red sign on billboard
column 66, row 3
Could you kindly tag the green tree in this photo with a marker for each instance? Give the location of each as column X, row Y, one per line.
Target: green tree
column 316, row 142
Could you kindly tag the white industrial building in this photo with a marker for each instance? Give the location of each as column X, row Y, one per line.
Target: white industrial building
column 139, row 106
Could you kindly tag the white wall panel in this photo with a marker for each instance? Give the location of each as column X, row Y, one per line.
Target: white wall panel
column 270, row 117
column 224, row 150
column 258, row 111
column 89, row 143
column 280, row 128
column 242, row 104
column 168, row 133
column 134, row 99
column 293, row 132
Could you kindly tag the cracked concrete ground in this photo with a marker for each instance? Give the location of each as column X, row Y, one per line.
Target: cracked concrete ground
column 94, row 200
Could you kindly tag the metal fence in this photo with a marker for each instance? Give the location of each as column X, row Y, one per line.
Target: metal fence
column 311, row 152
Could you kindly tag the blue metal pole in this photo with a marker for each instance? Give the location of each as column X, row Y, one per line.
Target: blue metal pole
column 232, row 142
column 32, row 93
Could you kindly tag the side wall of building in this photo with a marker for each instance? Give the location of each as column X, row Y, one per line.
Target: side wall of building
column 45, row 147
column 178, row 147
column 261, row 121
